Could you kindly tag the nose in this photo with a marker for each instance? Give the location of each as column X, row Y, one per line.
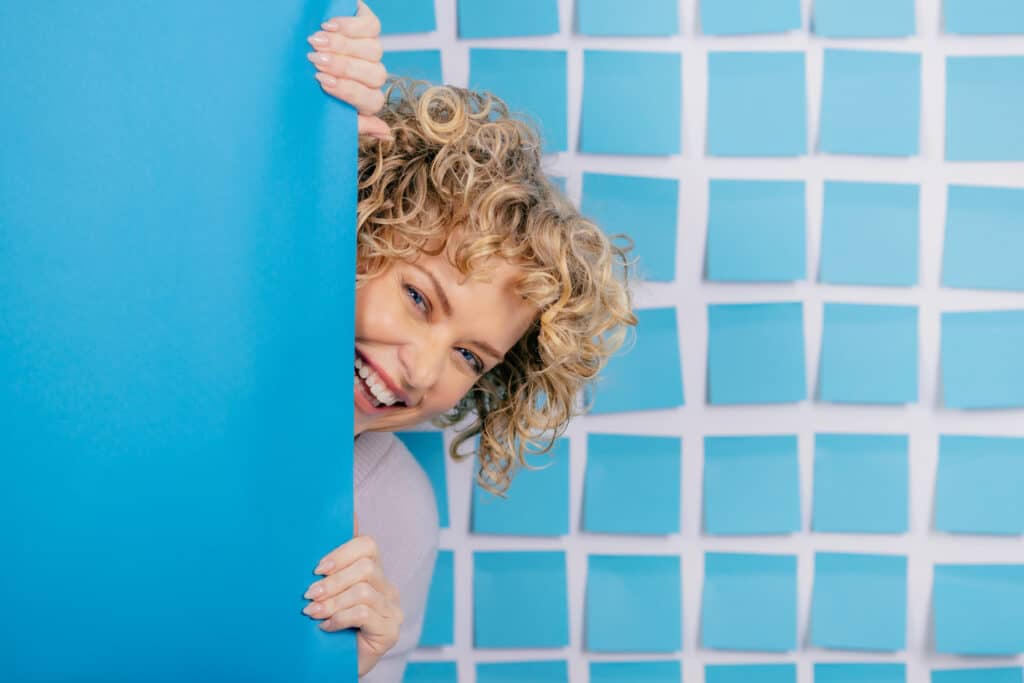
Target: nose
column 422, row 362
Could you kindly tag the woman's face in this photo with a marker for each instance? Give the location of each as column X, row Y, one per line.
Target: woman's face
column 425, row 334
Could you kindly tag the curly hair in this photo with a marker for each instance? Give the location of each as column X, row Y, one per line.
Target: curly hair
column 458, row 160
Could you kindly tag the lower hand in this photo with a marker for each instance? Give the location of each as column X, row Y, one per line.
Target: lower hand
column 355, row 594
column 347, row 54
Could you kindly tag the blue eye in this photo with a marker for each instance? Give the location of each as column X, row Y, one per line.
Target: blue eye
column 416, row 297
column 473, row 360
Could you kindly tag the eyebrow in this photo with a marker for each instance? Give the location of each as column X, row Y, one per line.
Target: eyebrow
column 446, row 305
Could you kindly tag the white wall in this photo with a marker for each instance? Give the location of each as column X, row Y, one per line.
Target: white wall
column 923, row 420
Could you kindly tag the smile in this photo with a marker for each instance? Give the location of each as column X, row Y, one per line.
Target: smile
column 373, row 387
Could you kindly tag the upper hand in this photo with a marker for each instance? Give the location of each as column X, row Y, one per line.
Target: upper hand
column 355, row 594
column 353, row 71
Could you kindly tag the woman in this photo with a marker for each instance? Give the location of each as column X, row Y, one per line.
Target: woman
column 481, row 293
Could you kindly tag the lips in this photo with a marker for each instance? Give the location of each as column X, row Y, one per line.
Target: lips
column 399, row 395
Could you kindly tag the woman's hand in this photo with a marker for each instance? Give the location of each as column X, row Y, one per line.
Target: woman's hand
column 347, row 55
column 355, row 594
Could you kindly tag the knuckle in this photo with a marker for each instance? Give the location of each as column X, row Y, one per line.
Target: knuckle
column 361, row 612
column 378, row 76
column 363, row 591
column 371, row 546
column 376, row 51
column 366, row 567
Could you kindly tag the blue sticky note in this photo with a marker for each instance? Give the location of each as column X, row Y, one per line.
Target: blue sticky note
column 871, row 103
column 489, row 19
column 519, row 599
column 531, row 82
column 614, row 18
column 756, row 353
column 984, row 238
column 861, row 483
column 979, row 484
column 859, row 602
column 405, row 16
column 757, row 104
column 737, row 586
column 751, row 485
column 439, row 616
column 979, row 609
column 981, row 17
column 1005, row 674
column 537, row 502
column 632, row 484
column 750, row 673
column 737, row 17
column 422, row 65
column 984, row 105
column 546, row 671
column 757, row 231
column 864, row 18
column 633, row 603
column 982, row 365
column 613, row 77
column 870, row 234
column 428, row 449
column 831, row 672
column 431, row 672
column 869, row 354
column 643, row 208
column 636, row 672
column 646, row 375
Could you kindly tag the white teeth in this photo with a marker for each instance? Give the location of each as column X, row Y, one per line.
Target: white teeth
column 375, row 383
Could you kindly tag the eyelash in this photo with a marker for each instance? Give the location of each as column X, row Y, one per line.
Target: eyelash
column 473, row 359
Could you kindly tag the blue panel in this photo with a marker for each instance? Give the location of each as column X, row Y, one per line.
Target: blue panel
column 419, row 64
column 182, row 348
column 636, row 672
column 750, row 673
column 405, row 16
column 1006, row 674
column 431, row 672
column 548, row 671
column 860, row 673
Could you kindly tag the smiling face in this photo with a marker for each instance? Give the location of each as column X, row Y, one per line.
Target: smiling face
column 425, row 334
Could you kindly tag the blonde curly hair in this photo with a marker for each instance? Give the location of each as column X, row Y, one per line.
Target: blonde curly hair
column 458, row 160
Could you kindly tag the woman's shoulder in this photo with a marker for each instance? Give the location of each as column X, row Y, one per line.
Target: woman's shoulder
column 395, row 500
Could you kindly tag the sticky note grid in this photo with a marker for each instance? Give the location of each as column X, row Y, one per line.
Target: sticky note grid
column 826, row 382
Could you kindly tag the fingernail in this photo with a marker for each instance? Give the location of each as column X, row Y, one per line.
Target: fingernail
column 327, row 79
column 329, row 26
column 318, row 39
column 312, row 608
column 324, row 567
column 318, row 57
column 314, row 591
